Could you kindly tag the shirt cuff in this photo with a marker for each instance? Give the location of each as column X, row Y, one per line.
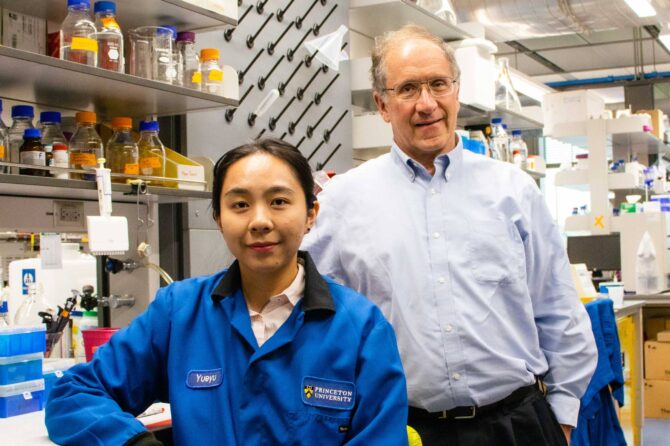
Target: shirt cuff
column 565, row 407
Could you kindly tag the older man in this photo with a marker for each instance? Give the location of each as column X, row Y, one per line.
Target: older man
column 463, row 257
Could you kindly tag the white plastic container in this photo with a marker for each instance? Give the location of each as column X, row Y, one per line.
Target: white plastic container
column 478, row 72
column 79, row 269
column 570, row 106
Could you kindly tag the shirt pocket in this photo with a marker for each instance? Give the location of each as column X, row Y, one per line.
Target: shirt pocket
column 315, row 427
column 495, row 252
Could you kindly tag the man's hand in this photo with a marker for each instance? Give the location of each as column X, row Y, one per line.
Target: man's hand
column 567, row 430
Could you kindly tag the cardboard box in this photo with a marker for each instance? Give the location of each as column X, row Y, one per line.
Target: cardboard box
column 653, row 325
column 657, row 399
column 657, row 360
column 663, row 336
column 656, row 121
column 24, row 32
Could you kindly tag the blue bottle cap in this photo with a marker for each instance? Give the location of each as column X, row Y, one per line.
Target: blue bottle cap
column 32, row 133
column 516, row 132
column 104, row 7
column 50, row 116
column 149, row 126
column 496, row 121
column 86, row 3
column 173, row 30
column 0, row 105
column 22, row 111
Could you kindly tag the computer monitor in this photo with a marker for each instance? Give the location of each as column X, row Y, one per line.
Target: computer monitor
column 601, row 252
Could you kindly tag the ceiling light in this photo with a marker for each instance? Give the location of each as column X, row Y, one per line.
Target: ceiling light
column 641, row 7
column 665, row 40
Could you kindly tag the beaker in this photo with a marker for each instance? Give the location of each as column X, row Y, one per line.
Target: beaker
column 151, row 53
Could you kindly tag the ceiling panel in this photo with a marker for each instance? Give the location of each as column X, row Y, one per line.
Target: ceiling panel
column 527, row 65
column 611, row 35
column 552, row 42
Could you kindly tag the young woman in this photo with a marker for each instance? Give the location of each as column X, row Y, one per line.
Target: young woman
column 267, row 352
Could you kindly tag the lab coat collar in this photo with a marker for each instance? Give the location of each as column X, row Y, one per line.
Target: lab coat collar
column 317, row 295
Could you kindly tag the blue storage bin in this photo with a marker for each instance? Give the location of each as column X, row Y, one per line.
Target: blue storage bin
column 14, row 369
column 53, row 369
column 22, row 340
column 25, row 397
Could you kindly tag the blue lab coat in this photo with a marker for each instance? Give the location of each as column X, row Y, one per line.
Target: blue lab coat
column 330, row 375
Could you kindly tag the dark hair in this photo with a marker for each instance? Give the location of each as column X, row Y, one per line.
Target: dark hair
column 275, row 147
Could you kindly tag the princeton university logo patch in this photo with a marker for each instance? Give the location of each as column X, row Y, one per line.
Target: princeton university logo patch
column 328, row 393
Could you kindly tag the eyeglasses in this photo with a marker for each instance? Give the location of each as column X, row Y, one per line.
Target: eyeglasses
column 410, row 91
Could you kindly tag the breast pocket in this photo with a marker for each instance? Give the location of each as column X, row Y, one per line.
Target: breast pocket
column 495, row 252
column 314, row 427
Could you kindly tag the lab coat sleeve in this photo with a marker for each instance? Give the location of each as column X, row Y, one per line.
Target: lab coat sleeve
column 380, row 415
column 96, row 403
column 563, row 325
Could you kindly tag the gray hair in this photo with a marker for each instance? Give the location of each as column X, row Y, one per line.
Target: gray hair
column 384, row 43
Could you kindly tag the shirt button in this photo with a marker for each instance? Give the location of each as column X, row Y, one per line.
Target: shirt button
column 457, row 376
column 436, row 235
column 433, row 191
column 448, row 328
column 441, row 280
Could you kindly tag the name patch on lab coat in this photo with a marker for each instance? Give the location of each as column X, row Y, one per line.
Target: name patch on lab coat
column 201, row 379
column 328, row 393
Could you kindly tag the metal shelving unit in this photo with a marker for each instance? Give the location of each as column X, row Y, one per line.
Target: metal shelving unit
column 374, row 17
column 64, row 85
column 45, row 187
column 133, row 13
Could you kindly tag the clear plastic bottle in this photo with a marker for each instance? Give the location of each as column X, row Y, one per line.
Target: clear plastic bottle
column 518, row 144
column 52, row 135
column 85, row 146
column 122, row 153
column 212, row 74
column 192, row 77
column 164, row 70
column 22, row 119
column 78, row 34
column 499, row 141
column 152, row 151
column 4, row 142
column 110, row 38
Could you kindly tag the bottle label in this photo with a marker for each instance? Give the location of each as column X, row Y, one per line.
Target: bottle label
column 2, row 152
column 215, row 75
column 84, row 44
column 150, row 162
column 34, row 157
column 60, row 158
column 82, row 159
column 110, row 22
column 131, row 169
column 196, row 78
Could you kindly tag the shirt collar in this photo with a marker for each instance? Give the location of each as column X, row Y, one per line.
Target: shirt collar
column 451, row 160
column 316, row 292
column 296, row 289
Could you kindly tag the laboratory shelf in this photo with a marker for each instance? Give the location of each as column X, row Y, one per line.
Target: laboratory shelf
column 183, row 14
column 523, row 120
column 64, row 85
column 374, row 17
column 536, row 175
column 622, row 133
column 44, row 187
column 579, row 179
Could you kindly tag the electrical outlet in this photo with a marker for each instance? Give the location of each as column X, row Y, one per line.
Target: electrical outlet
column 69, row 214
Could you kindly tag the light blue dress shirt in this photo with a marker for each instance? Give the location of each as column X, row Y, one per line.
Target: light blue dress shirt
column 469, row 268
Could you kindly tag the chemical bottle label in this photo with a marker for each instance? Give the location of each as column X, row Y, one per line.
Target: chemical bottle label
column 34, row 157
column 196, row 78
column 110, row 22
column 84, row 44
column 216, row 75
column 2, row 152
column 150, row 162
column 82, row 159
column 131, row 169
column 60, row 158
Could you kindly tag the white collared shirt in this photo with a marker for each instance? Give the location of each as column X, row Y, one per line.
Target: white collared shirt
column 278, row 309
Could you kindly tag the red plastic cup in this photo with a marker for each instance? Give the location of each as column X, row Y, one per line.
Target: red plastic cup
column 94, row 338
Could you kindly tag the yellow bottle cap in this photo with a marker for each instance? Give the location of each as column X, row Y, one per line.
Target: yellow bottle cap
column 209, row 54
column 86, row 117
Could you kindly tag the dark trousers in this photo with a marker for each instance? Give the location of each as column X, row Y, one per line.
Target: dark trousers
column 529, row 422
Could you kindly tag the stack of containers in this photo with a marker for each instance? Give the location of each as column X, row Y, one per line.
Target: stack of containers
column 21, row 382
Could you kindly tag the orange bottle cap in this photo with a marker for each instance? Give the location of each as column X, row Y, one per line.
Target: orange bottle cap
column 209, row 54
column 86, row 117
column 122, row 122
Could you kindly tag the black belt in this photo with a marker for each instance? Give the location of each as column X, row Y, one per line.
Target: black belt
column 468, row 412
